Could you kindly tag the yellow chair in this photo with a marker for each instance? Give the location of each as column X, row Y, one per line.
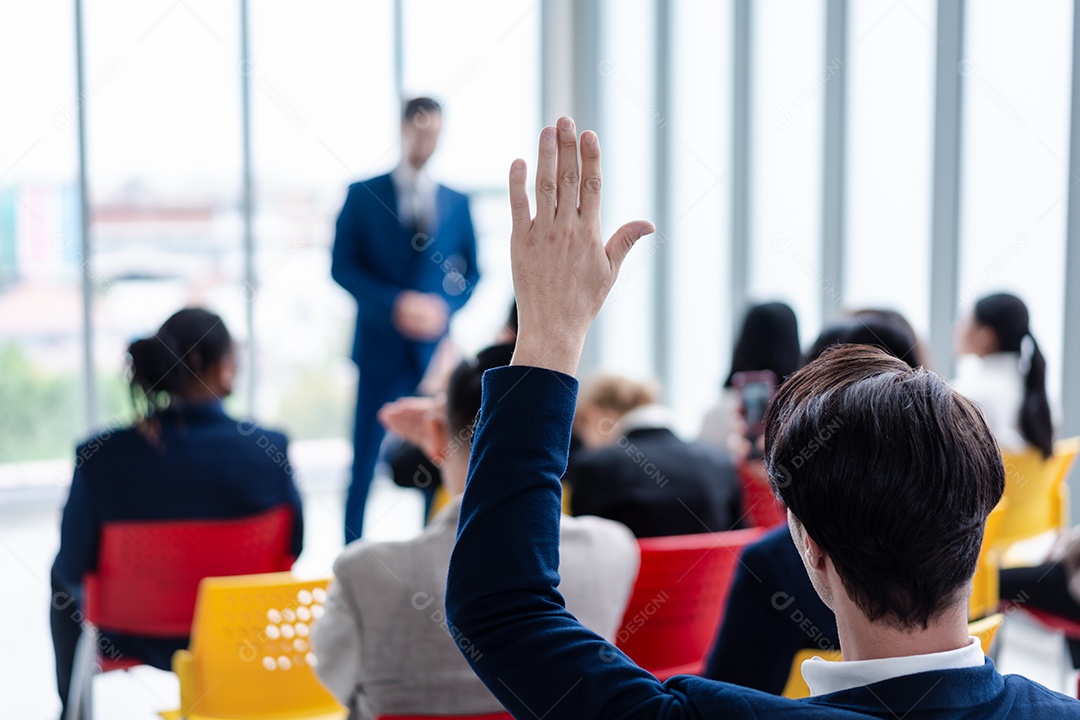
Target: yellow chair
column 1037, row 493
column 985, row 595
column 438, row 502
column 795, row 688
column 250, row 656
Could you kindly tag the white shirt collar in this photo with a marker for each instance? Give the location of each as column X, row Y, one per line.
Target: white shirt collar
column 405, row 176
column 645, row 417
column 824, row 677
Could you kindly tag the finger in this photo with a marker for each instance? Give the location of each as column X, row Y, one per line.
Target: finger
column 566, row 200
column 545, row 175
column 590, row 175
column 519, row 199
column 624, row 238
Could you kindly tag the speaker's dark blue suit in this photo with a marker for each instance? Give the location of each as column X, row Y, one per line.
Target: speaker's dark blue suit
column 375, row 258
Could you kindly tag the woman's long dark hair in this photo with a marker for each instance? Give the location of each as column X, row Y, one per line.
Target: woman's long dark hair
column 1007, row 316
column 769, row 340
column 166, row 366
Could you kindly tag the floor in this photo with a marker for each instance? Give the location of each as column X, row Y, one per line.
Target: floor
column 29, row 536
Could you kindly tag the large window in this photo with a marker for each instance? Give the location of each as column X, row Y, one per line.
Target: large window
column 630, row 116
column 698, row 247
column 41, row 261
column 788, row 81
column 890, row 157
column 164, row 162
column 1015, row 175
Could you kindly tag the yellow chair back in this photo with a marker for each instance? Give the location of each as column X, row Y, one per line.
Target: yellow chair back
column 1036, row 490
column 796, row 687
column 250, row 653
column 985, row 594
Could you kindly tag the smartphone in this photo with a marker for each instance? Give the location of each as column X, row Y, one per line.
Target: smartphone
column 756, row 390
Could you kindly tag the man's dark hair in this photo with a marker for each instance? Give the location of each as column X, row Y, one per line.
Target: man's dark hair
column 891, row 472
column 463, row 392
column 419, row 105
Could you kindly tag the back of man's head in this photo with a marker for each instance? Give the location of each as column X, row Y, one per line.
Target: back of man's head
column 891, row 472
column 463, row 392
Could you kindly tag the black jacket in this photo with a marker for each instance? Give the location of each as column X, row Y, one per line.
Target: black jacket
column 656, row 484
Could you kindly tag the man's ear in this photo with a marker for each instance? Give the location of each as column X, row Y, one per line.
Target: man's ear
column 812, row 553
column 815, row 554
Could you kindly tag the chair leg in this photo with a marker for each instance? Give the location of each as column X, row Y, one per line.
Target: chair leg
column 80, row 697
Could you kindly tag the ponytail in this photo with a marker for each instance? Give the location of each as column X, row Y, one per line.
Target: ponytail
column 1036, row 424
column 1007, row 316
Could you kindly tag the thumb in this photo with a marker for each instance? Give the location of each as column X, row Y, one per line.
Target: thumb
column 624, row 238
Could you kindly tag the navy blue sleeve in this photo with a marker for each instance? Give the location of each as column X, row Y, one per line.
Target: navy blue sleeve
column 347, row 258
column 502, row 597
column 290, row 495
column 79, row 530
column 293, row 498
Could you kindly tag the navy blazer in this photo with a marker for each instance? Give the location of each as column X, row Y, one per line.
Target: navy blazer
column 503, row 603
column 773, row 608
column 375, row 257
column 206, row 466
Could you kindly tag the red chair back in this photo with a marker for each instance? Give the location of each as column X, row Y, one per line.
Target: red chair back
column 678, row 599
column 760, row 506
column 148, row 572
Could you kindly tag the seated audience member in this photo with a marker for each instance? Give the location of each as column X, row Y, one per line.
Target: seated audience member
column 1053, row 586
column 183, row 459
column 384, row 647
column 1001, row 368
column 768, row 341
column 635, row 470
column 772, row 605
column 887, row 509
column 405, row 419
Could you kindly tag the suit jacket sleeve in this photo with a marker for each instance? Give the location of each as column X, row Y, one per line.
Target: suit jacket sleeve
column 502, row 589
column 79, row 529
column 335, row 638
column 468, row 251
column 292, row 498
column 349, row 267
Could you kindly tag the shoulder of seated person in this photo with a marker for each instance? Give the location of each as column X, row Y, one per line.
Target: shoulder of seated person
column 587, row 527
column 360, row 556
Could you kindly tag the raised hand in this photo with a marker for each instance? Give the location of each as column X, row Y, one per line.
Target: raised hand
column 562, row 269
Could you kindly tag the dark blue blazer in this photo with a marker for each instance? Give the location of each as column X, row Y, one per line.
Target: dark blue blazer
column 375, row 257
column 505, row 611
column 773, row 608
column 206, row 465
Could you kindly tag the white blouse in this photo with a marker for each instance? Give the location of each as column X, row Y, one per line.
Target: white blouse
column 995, row 383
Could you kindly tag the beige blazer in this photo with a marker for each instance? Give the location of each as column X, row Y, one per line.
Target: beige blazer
column 383, row 646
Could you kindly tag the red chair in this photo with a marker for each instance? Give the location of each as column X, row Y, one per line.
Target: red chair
column 761, row 508
column 678, row 599
column 148, row 574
